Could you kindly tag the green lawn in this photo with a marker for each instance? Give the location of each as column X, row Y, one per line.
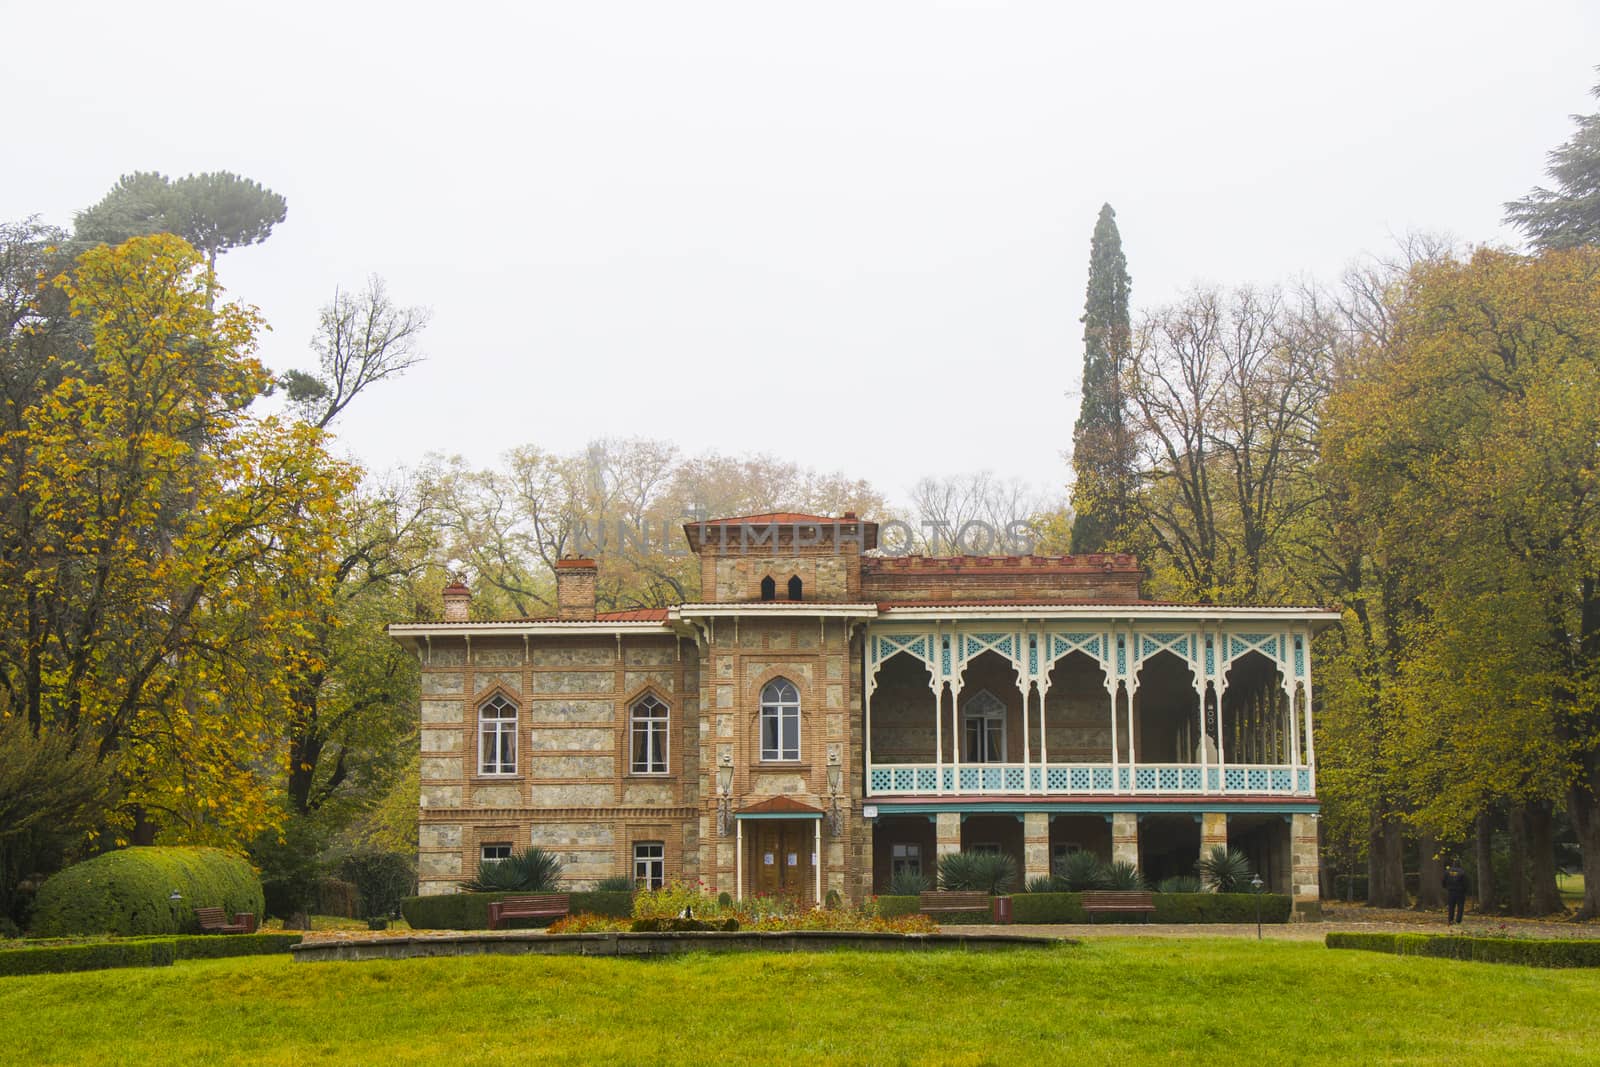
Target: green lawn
column 1125, row 1000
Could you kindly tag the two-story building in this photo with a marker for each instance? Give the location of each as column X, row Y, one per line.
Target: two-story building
column 828, row 717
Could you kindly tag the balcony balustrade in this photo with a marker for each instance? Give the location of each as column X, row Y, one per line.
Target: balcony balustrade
column 1088, row 779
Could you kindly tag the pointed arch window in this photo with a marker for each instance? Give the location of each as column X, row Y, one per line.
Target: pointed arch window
column 497, row 736
column 795, row 588
column 983, row 719
column 780, row 720
column 769, row 588
column 647, row 725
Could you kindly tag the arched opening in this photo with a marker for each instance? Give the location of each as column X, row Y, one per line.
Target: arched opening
column 903, row 711
column 1166, row 711
column 780, row 721
column 1255, row 712
column 989, row 683
column 769, row 588
column 795, row 588
column 983, row 728
column 1077, row 712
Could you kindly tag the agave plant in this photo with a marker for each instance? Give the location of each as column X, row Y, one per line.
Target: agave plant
column 1181, row 883
column 532, row 870
column 988, row 872
column 1080, row 871
column 617, row 883
column 906, row 884
column 1123, row 875
column 1041, row 883
column 1225, row 870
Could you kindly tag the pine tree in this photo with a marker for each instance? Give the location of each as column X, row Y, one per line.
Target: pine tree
column 1101, row 452
column 1568, row 215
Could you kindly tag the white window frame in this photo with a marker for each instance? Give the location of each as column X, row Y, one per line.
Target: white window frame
column 496, row 846
column 985, row 711
column 649, row 718
column 781, row 709
column 497, row 738
column 905, row 857
column 650, row 864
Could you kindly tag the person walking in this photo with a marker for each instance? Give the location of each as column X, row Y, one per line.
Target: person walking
column 1455, row 892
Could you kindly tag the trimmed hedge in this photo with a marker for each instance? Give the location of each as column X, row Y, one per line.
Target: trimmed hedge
column 1170, row 908
column 470, row 911
column 59, row 959
column 1048, row 908
column 892, row 907
column 222, row 946
column 1549, row 952
column 127, row 892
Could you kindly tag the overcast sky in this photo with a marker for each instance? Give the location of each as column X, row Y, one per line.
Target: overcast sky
column 854, row 235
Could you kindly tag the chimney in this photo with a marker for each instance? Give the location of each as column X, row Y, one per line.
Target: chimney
column 457, row 597
column 575, row 581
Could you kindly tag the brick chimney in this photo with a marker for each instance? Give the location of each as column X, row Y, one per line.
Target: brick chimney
column 457, row 598
column 575, row 582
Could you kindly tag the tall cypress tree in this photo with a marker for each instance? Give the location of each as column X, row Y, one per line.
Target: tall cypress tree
column 1101, row 452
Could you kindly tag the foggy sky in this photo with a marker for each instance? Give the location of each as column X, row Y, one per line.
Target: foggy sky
column 867, row 223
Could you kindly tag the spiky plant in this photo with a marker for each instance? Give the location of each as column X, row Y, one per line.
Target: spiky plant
column 533, row 870
column 1123, row 875
column 906, row 884
column 617, row 883
column 989, row 872
column 1041, row 883
column 1080, row 871
column 1181, row 883
column 1225, row 870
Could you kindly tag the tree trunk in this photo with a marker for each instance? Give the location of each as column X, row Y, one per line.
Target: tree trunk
column 1386, row 886
column 1545, row 898
column 1430, row 873
column 1517, row 875
column 1585, row 812
column 144, row 830
column 1488, row 901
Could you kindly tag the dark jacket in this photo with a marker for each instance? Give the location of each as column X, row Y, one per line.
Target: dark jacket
column 1455, row 881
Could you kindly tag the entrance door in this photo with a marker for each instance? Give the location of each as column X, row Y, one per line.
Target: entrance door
column 781, row 857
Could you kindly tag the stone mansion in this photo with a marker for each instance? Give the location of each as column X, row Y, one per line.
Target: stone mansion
column 827, row 718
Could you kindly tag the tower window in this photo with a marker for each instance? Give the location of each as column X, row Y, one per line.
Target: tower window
column 769, row 588
column 794, row 588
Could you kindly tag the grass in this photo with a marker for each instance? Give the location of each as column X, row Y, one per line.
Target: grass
column 1131, row 1000
column 1570, row 886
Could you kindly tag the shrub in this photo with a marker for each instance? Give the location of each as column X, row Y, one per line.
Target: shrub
column 1048, row 908
column 906, row 884
column 1080, row 871
column 724, row 899
column 617, row 883
column 669, row 901
column 1225, row 870
column 382, row 879
column 1221, row 907
column 1181, row 883
column 470, row 911
column 127, row 892
column 533, row 870
column 894, row 905
column 589, row 924
column 1042, row 883
column 212, row 947
column 1123, row 875
column 832, row 900
column 57, row 959
column 987, row 872
column 675, row 925
column 337, row 897
column 1553, row 952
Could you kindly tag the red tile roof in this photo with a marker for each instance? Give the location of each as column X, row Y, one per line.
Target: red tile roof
column 633, row 615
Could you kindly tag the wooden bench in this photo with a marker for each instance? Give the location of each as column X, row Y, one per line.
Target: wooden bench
column 549, row 906
column 1116, row 901
column 940, row 903
column 215, row 921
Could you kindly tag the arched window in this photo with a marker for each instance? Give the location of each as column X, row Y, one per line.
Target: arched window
column 794, row 588
column 647, row 723
column 983, row 719
column 769, row 588
column 780, row 720
column 497, row 736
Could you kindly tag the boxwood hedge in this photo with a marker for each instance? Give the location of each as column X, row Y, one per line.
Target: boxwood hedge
column 1551, row 952
column 56, row 959
column 1170, row 908
column 128, row 892
column 470, row 911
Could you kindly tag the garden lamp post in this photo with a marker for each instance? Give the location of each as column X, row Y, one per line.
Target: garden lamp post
column 835, row 776
column 172, row 904
column 1256, row 884
column 724, row 795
